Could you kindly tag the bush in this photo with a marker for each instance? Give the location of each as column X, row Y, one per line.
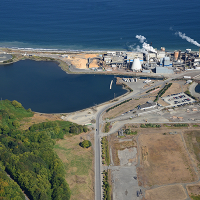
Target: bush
column 86, row 144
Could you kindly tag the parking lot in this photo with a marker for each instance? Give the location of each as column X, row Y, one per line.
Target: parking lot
column 125, row 183
column 177, row 100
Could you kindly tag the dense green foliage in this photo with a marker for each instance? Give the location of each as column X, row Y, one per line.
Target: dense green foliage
column 161, row 92
column 107, row 127
column 105, row 150
column 86, row 144
column 195, row 197
column 129, row 132
column 118, row 105
column 28, row 156
column 180, row 125
column 106, row 186
column 8, row 188
column 150, row 125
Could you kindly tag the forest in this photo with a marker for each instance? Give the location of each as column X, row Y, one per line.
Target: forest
column 27, row 156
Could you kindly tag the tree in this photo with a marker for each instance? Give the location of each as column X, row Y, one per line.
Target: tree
column 16, row 124
column 86, row 144
column 16, row 104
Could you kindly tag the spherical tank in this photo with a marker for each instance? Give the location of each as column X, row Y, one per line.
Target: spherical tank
column 136, row 65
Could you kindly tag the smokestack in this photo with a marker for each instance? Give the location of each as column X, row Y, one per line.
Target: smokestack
column 199, row 52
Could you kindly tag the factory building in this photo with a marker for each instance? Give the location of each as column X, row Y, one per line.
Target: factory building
column 164, row 70
column 160, row 62
column 165, row 62
column 147, row 105
column 160, row 54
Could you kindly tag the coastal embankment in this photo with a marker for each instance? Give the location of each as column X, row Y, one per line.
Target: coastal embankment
column 192, row 90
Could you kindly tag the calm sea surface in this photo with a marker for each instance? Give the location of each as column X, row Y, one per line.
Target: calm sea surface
column 44, row 87
column 84, row 25
column 98, row 24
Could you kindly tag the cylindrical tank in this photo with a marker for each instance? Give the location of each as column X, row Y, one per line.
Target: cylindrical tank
column 136, row 65
column 176, row 55
column 199, row 52
column 162, row 48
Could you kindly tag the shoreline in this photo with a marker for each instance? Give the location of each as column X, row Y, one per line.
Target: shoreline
column 67, row 50
column 192, row 90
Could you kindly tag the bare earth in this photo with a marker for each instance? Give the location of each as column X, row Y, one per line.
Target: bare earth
column 164, row 160
column 126, row 107
column 194, row 189
column 39, row 118
column 175, row 192
column 80, row 60
column 175, row 88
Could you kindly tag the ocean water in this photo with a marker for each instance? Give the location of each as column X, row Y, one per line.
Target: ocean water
column 98, row 24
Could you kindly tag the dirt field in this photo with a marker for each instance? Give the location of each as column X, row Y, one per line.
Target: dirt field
column 78, row 163
column 119, row 144
column 193, row 189
column 80, row 60
column 39, row 118
column 176, row 87
column 175, row 192
column 163, row 160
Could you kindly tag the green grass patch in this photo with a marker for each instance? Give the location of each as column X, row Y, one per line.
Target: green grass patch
column 195, row 197
column 195, row 125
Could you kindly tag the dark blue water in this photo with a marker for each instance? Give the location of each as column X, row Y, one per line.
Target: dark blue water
column 98, row 24
column 197, row 88
column 44, row 87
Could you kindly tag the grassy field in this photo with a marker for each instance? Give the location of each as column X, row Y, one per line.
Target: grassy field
column 78, row 164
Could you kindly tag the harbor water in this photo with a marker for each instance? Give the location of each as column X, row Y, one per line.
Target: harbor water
column 44, row 87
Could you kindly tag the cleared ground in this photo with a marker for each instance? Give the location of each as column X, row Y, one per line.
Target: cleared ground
column 39, row 118
column 127, row 106
column 80, row 60
column 194, row 190
column 192, row 139
column 175, row 192
column 164, row 160
column 176, row 87
column 78, row 163
column 117, row 144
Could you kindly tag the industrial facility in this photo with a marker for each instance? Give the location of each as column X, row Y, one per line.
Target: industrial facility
column 159, row 61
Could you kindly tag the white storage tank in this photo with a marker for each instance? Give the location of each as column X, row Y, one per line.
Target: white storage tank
column 136, row 66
